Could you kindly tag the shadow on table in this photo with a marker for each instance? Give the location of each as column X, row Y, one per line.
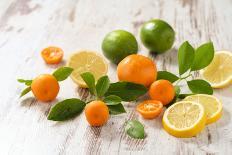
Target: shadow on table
column 170, row 57
column 55, row 66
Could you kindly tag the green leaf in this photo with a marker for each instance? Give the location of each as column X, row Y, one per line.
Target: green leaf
column 116, row 109
column 177, row 90
column 185, row 57
column 167, row 76
column 200, row 87
column 102, row 86
column 66, row 109
column 62, row 73
column 135, row 129
column 26, row 82
column 25, row 91
column 90, row 81
column 203, row 56
column 127, row 91
column 112, row 100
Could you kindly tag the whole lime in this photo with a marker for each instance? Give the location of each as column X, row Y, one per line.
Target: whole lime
column 157, row 35
column 118, row 44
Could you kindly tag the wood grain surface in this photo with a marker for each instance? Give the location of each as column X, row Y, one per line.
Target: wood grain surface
column 28, row 26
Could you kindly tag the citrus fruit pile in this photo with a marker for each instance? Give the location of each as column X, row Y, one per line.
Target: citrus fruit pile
column 186, row 114
column 188, row 117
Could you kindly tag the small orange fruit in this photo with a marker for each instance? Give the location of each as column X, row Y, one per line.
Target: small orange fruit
column 45, row 87
column 52, row 55
column 97, row 113
column 163, row 91
column 150, row 109
column 137, row 69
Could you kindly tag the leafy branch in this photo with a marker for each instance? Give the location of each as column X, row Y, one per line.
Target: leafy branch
column 189, row 61
column 60, row 74
column 111, row 93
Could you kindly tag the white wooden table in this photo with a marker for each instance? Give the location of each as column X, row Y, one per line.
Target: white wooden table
column 27, row 26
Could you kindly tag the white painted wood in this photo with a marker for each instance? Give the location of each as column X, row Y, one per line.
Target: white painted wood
column 27, row 26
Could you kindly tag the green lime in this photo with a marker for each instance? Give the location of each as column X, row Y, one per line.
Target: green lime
column 157, row 35
column 118, row 44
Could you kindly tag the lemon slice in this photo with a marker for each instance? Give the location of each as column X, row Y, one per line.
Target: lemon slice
column 86, row 61
column 219, row 71
column 184, row 119
column 213, row 107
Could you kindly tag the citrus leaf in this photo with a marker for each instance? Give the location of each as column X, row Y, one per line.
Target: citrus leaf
column 116, row 109
column 66, row 109
column 102, row 86
column 135, row 129
column 185, row 57
column 26, row 82
column 127, row 91
column 167, row 76
column 112, row 100
column 25, row 91
column 203, row 56
column 62, row 73
column 200, row 87
column 90, row 81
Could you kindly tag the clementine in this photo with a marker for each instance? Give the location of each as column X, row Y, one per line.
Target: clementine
column 150, row 109
column 163, row 91
column 137, row 69
column 45, row 87
column 96, row 113
column 52, row 55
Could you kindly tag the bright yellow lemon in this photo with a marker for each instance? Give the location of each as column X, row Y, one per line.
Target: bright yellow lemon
column 219, row 71
column 184, row 119
column 213, row 107
column 86, row 61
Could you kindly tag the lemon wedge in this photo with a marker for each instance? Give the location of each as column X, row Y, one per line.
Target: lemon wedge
column 184, row 119
column 86, row 61
column 212, row 105
column 219, row 71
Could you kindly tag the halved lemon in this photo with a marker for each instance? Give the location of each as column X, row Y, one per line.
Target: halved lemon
column 219, row 71
column 184, row 119
column 212, row 105
column 86, row 61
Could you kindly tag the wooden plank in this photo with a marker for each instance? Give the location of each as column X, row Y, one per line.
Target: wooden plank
column 28, row 26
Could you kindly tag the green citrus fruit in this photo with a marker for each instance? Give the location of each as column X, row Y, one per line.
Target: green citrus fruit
column 118, row 44
column 157, row 35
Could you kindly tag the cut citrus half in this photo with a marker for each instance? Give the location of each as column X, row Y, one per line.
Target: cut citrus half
column 213, row 107
column 184, row 119
column 86, row 61
column 52, row 55
column 150, row 108
column 219, row 71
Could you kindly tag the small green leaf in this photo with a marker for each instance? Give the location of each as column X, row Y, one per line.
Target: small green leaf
column 167, row 76
column 112, row 100
column 200, row 87
column 102, row 86
column 62, row 73
column 203, row 56
column 25, row 91
column 135, row 129
column 127, row 91
column 185, row 57
column 116, row 109
column 90, row 81
column 177, row 90
column 66, row 109
column 26, row 82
